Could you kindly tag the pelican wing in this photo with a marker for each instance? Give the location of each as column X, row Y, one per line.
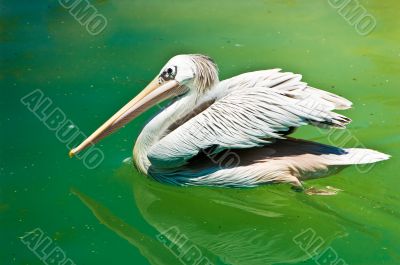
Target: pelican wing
column 285, row 81
column 251, row 110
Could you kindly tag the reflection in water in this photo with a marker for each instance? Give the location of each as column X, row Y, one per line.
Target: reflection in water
column 247, row 226
column 149, row 247
column 230, row 226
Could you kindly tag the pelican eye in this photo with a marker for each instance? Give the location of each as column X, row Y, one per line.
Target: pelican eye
column 169, row 74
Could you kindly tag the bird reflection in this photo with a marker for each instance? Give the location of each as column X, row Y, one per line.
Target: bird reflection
column 228, row 226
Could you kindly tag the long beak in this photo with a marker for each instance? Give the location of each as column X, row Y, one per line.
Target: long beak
column 151, row 95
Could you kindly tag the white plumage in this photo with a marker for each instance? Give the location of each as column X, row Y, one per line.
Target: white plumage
column 248, row 117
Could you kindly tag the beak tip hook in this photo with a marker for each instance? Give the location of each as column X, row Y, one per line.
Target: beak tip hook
column 71, row 153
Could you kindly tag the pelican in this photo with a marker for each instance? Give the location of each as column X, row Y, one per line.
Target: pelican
column 233, row 133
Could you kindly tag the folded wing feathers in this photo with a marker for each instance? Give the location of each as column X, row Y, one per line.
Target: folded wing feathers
column 255, row 108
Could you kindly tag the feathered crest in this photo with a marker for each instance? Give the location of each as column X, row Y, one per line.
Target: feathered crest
column 206, row 72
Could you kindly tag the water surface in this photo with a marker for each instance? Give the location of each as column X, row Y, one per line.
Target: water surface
column 112, row 214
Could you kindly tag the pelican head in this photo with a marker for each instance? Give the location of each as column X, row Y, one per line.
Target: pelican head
column 194, row 71
column 183, row 74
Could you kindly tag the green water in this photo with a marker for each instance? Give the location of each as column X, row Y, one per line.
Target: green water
column 112, row 214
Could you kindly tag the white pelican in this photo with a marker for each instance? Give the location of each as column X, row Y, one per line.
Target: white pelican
column 245, row 118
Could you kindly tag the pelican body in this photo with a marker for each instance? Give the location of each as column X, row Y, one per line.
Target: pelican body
column 234, row 132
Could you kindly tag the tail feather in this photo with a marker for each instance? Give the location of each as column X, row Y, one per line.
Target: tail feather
column 321, row 104
column 333, row 121
column 356, row 156
column 336, row 101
